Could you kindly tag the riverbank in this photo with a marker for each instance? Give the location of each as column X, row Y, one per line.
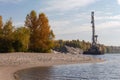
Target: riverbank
column 12, row 62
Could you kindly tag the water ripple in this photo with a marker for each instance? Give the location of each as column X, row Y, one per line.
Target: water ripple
column 109, row 70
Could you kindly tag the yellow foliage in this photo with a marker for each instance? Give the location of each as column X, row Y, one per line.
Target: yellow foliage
column 41, row 37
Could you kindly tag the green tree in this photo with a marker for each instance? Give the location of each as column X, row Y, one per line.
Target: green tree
column 21, row 36
column 6, row 40
column 8, row 29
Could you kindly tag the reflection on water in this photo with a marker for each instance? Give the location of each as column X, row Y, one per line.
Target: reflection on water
column 109, row 70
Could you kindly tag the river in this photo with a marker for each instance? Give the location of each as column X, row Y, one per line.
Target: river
column 108, row 70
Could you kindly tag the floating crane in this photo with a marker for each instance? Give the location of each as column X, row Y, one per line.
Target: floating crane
column 94, row 49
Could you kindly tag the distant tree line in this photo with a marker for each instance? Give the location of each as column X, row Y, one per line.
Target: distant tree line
column 60, row 45
column 113, row 49
column 35, row 36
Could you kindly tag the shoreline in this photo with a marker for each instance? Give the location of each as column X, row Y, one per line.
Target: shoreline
column 13, row 62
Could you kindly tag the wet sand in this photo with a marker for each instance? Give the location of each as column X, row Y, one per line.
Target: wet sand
column 12, row 62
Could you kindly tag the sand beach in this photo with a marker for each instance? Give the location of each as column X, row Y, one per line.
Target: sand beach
column 12, row 62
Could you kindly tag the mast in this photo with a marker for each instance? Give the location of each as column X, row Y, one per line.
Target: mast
column 94, row 49
column 93, row 29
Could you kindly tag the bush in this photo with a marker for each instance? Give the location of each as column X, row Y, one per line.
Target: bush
column 6, row 45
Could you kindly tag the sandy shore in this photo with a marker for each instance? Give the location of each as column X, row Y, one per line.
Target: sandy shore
column 12, row 62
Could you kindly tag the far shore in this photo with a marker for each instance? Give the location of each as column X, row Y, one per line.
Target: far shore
column 13, row 62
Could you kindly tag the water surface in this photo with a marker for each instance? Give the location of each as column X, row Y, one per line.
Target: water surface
column 108, row 70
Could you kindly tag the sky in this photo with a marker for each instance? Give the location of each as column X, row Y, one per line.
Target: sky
column 70, row 19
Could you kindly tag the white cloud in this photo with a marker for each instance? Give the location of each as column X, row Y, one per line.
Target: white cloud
column 118, row 1
column 68, row 27
column 59, row 25
column 116, row 17
column 78, row 29
column 109, row 25
column 63, row 5
column 108, row 32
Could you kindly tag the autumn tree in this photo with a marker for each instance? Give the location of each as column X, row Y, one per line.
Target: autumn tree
column 8, row 29
column 21, row 39
column 1, row 22
column 13, row 40
column 41, row 37
column 6, row 39
column 1, row 25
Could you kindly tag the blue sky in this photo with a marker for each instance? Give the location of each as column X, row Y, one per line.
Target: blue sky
column 70, row 19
